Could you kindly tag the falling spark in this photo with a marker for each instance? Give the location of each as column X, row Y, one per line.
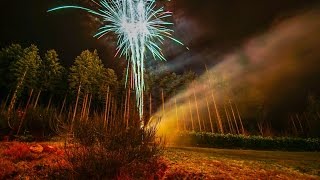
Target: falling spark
column 140, row 27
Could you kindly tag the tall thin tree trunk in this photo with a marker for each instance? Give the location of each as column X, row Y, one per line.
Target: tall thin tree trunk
column 105, row 110
column 209, row 114
column 177, row 117
column 260, row 127
column 197, row 108
column 294, row 125
column 215, row 106
column 75, row 107
column 240, row 119
column 184, row 121
column 111, row 111
column 191, row 115
column 29, row 99
column 234, row 117
column 63, row 104
column 162, row 97
column 37, row 99
column 25, row 112
column 83, row 106
column 49, row 103
column 84, row 116
column 217, row 114
column 301, row 128
column 228, row 119
column 88, row 109
column 14, row 96
column 204, row 125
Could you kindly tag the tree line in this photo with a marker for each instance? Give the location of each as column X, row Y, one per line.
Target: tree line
column 29, row 79
column 25, row 70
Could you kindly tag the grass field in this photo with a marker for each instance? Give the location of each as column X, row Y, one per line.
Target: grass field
column 17, row 162
column 205, row 163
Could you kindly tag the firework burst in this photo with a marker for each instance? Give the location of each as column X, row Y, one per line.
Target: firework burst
column 140, row 28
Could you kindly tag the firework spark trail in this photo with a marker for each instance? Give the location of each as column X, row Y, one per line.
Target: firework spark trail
column 140, row 27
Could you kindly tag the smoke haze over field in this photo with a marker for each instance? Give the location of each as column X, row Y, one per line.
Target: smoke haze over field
column 276, row 69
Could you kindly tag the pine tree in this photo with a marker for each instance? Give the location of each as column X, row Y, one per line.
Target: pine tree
column 8, row 56
column 50, row 73
column 86, row 75
column 25, row 72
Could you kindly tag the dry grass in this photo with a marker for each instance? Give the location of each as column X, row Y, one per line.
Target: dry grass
column 203, row 163
column 176, row 163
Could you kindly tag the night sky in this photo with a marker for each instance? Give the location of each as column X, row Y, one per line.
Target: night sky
column 219, row 26
column 212, row 29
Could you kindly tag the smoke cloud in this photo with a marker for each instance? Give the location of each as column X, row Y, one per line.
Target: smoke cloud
column 275, row 70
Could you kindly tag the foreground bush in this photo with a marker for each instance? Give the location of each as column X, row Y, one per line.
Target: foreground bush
column 247, row 142
column 97, row 151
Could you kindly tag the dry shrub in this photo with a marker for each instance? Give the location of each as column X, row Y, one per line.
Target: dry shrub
column 92, row 162
column 99, row 152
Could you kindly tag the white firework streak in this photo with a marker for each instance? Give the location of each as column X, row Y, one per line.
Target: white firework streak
column 140, row 27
